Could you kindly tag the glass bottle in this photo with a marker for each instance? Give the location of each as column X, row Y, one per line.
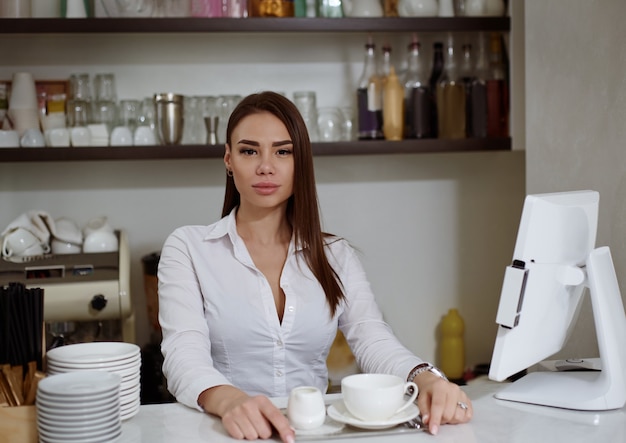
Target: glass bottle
column 478, row 94
column 466, row 74
column 450, row 98
column 435, row 73
column 418, row 96
column 393, row 107
column 497, row 91
column 369, row 97
column 437, row 66
column 386, row 63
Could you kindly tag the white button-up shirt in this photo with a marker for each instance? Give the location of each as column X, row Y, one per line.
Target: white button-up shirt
column 220, row 324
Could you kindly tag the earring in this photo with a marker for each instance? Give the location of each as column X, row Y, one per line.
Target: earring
column 229, row 172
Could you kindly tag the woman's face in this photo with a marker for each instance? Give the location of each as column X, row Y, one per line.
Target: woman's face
column 261, row 159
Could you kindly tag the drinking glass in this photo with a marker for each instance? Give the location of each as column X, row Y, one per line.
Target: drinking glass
column 129, row 113
column 330, row 124
column 194, row 131
column 225, row 106
column 104, row 87
column 79, row 87
column 306, row 102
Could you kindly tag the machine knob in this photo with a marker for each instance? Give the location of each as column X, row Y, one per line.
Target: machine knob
column 99, row 302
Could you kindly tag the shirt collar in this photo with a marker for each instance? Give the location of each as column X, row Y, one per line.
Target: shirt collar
column 228, row 226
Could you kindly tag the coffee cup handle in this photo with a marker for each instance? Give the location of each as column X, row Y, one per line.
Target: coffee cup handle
column 410, row 387
column 5, row 251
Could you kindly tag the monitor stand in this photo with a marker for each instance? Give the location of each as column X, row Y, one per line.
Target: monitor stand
column 593, row 390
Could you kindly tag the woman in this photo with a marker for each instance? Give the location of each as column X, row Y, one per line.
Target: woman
column 250, row 305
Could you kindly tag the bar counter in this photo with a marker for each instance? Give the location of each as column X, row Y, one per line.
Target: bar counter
column 495, row 421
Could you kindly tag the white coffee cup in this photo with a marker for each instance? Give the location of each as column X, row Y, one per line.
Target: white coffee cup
column 100, row 241
column 121, row 136
column 57, row 137
column 144, row 136
column 64, row 247
column 67, row 230
column 97, row 224
column 376, row 397
column 32, row 138
column 80, row 136
column 21, row 242
column 305, row 408
column 9, row 139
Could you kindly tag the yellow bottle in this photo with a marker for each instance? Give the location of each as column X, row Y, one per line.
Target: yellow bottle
column 393, row 107
column 452, row 347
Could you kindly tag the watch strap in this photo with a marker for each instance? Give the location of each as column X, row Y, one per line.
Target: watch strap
column 423, row 367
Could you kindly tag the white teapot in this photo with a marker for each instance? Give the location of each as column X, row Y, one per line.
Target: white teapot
column 362, row 8
column 418, row 8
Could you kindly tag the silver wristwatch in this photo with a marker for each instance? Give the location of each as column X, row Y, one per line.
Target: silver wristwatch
column 423, row 367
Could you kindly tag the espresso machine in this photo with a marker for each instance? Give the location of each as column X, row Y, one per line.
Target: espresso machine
column 86, row 295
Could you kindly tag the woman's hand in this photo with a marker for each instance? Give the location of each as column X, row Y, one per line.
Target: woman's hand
column 246, row 417
column 441, row 402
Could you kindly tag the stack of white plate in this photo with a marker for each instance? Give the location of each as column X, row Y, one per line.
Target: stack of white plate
column 123, row 359
column 79, row 407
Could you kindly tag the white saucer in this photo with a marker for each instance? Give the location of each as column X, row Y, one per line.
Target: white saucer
column 338, row 412
column 93, row 353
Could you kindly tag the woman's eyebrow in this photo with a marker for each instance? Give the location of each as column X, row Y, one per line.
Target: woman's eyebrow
column 255, row 143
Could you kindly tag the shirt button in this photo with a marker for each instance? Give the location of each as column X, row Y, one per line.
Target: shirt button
column 279, row 374
column 279, row 343
column 291, row 309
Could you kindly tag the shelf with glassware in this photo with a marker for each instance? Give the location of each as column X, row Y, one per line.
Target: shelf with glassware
column 258, row 25
column 253, row 24
column 364, row 147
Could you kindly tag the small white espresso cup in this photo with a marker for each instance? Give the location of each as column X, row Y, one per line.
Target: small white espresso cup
column 305, row 408
column 376, row 397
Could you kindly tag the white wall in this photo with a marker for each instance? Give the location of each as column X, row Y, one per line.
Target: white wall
column 575, row 107
column 435, row 230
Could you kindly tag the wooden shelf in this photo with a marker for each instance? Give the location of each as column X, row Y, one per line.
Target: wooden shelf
column 250, row 25
column 239, row 25
column 369, row 147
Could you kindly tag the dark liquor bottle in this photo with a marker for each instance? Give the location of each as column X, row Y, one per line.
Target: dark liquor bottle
column 369, row 97
column 418, row 96
column 478, row 94
column 497, row 91
column 450, row 98
column 435, row 74
column 467, row 76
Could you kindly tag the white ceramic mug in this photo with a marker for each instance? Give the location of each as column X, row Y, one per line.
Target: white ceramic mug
column 67, row 230
column 362, row 8
column 100, row 241
column 21, row 242
column 32, row 138
column 9, row 139
column 305, row 408
column 376, row 397
column 121, row 136
column 63, row 247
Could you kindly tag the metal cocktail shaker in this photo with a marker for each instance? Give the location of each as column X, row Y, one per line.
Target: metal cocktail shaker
column 169, row 117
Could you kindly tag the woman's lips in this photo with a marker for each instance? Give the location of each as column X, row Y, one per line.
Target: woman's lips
column 265, row 188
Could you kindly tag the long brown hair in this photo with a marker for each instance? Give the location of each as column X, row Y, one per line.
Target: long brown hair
column 302, row 206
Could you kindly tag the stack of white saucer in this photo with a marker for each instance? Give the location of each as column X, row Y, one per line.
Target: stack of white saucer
column 123, row 359
column 79, row 407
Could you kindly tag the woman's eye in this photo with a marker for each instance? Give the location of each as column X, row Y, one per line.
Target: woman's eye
column 284, row 152
column 247, row 151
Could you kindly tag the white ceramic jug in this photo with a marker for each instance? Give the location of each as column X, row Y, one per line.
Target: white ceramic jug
column 418, row 8
column 362, row 8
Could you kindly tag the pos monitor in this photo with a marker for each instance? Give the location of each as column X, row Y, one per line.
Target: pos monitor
column 554, row 262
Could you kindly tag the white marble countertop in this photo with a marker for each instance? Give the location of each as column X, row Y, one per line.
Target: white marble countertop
column 494, row 421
